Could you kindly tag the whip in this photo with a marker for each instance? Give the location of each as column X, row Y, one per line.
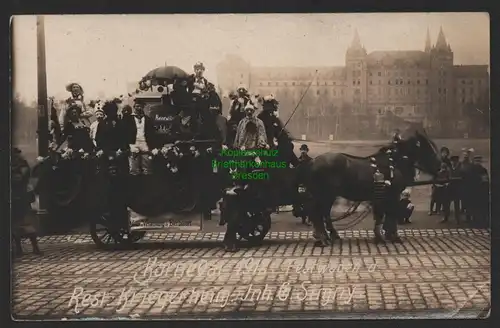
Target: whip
column 297, row 106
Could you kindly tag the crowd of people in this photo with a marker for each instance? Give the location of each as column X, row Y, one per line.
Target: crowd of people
column 103, row 127
column 468, row 189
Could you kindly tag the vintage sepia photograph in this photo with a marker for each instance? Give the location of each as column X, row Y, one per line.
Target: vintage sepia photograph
column 250, row 166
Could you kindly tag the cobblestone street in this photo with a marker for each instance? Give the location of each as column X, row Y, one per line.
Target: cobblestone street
column 436, row 272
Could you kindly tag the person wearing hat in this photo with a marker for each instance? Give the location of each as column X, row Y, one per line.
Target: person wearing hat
column 250, row 133
column 110, row 135
column 76, row 132
column 237, row 111
column 77, row 99
column 21, row 201
column 465, row 165
column 99, row 115
column 453, row 191
column 304, row 154
column 198, row 84
column 300, row 177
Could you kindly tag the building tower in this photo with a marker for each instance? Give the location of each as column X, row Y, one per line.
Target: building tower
column 428, row 42
column 441, row 83
column 356, row 71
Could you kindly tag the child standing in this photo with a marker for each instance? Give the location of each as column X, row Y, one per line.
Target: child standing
column 406, row 207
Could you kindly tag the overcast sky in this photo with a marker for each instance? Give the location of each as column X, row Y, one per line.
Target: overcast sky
column 104, row 52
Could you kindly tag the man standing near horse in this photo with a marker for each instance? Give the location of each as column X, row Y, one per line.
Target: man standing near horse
column 452, row 194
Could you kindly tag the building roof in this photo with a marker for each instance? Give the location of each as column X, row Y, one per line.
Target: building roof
column 470, row 71
column 298, row 73
column 406, row 58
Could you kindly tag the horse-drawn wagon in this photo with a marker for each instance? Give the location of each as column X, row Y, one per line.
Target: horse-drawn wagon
column 96, row 186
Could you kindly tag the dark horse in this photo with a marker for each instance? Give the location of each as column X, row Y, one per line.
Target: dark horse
column 333, row 175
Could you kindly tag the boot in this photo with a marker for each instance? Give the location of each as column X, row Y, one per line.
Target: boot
column 379, row 239
column 334, row 235
column 34, row 244
column 230, row 247
column 393, row 238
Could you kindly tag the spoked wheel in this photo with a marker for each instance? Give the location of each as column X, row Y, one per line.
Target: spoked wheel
column 104, row 236
column 253, row 227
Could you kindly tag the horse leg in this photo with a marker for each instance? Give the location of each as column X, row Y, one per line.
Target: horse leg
column 318, row 222
column 378, row 217
column 391, row 218
column 334, row 235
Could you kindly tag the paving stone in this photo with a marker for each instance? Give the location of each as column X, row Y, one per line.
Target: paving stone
column 433, row 270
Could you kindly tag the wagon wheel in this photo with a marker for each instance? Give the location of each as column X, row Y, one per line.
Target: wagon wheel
column 253, row 227
column 103, row 236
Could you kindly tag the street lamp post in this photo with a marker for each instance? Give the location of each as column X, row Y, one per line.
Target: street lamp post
column 43, row 122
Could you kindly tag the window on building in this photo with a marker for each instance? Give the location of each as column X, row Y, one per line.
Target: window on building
column 293, row 83
column 444, row 90
column 418, row 81
column 317, row 92
column 371, row 74
column 463, row 100
column 353, row 82
column 397, row 82
column 439, row 90
column 379, row 73
column 426, row 81
column 371, row 82
column 463, row 81
column 380, row 110
column 409, row 82
column 358, row 82
column 334, row 83
column 389, row 82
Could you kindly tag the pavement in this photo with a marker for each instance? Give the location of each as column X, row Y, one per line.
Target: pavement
column 441, row 273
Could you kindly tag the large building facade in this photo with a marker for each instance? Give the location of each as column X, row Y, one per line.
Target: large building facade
column 373, row 93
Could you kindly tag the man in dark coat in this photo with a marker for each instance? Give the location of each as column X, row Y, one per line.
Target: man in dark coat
column 453, row 191
column 304, row 154
column 478, row 183
column 109, row 136
column 465, row 165
column 20, row 203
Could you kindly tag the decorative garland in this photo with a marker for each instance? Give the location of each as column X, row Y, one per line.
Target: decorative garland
column 170, row 152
